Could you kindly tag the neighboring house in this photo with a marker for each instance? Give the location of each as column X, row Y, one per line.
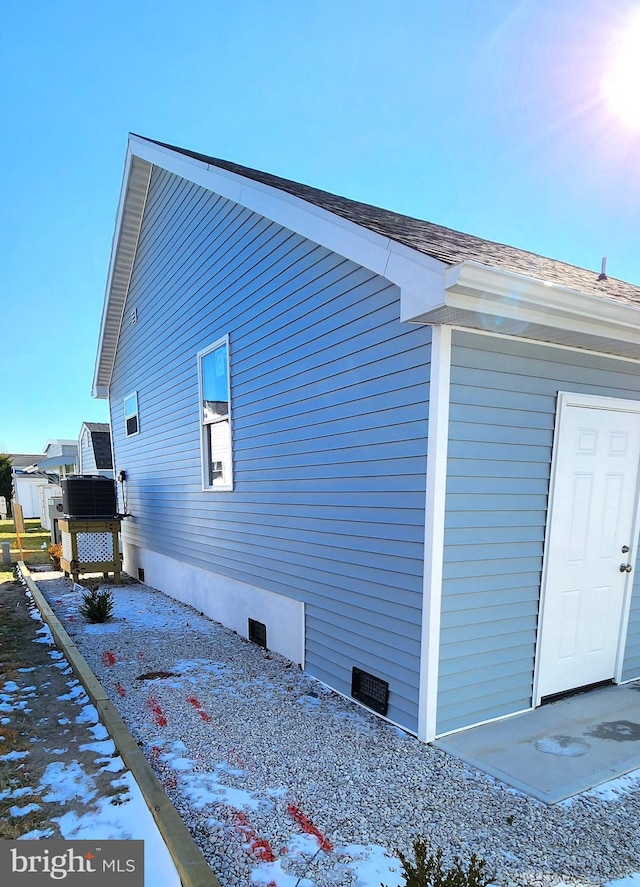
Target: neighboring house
column 94, row 449
column 408, row 455
column 27, row 481
column 60, row 459
column 36, row 477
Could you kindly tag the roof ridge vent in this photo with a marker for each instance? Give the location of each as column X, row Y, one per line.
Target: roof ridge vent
column 603, row 269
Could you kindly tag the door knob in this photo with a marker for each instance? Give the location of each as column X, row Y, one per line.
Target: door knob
column 625, row 549
column 625, row 568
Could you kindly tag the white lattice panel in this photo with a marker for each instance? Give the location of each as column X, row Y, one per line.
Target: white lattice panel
column 94, row 547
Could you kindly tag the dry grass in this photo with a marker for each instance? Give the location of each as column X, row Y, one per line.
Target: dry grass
column 36, row 728
column 13, row 827
column 13, row 631
column 15, row 636
column 32, row 541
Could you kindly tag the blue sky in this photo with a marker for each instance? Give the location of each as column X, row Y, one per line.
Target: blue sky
column 485, row 116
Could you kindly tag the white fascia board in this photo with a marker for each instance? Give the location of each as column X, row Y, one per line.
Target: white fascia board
column 409, row 269
column 101, row 391
column 133, row 195
column 480, row 289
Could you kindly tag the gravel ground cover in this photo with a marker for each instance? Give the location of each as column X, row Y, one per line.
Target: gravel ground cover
column 284, row 783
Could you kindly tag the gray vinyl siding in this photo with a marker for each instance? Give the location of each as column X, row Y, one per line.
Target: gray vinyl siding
column 329, row 400
column 631, row 666
column 502, row 415
column 87, row 457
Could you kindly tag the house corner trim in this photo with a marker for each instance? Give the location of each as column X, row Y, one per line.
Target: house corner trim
column 437, row 448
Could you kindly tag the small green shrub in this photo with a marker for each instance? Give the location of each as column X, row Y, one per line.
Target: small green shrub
column 428, row 871
column 97, row 606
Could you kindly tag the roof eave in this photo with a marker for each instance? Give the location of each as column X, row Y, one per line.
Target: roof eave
column 468, row 294
column 477, row 296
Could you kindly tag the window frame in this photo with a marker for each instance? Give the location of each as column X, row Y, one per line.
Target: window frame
column 205, row 452
column 127, row 416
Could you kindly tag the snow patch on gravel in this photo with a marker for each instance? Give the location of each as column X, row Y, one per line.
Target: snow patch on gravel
column 284, row 782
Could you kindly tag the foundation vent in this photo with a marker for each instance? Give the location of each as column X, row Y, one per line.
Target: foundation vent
column 140, row 574
column 370, row 690
column 258, row 633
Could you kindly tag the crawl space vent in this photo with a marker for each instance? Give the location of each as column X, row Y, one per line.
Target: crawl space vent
column 370, row 690
column 140, row 574
column 258, row 633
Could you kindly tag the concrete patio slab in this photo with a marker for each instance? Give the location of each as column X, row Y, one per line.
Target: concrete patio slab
column 560, row 749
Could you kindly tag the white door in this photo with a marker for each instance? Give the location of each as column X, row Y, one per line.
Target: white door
column 589, row 548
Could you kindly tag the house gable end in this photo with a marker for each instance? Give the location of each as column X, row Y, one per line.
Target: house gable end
column 412, row 271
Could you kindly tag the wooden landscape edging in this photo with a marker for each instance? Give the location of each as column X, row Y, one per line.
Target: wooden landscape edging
column 192, row 867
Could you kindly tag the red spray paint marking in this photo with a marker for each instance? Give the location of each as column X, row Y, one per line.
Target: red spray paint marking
column 71, row 618
column 108, row 658
column 260, row 847
column 121, row 690
column 307, row 826
column 195, row 702
column 155, row 755
column 156, row 708
column 234, row 757
column 170, row 781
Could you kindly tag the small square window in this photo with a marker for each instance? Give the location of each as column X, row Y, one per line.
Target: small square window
column 131, row 414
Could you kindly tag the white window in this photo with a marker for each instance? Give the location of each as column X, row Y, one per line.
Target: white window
column 131, row 414
column 215, row 417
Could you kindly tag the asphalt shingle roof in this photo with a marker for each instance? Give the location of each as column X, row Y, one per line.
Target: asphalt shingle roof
column 98, row 426
column 22, row 460
column 445, row 244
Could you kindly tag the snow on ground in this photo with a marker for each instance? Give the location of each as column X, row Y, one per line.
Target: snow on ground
column 225, row 794
column 120, row 813
column 370, row 864
column 129, row 819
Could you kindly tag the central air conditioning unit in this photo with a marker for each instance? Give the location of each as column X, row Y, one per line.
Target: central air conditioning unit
column 86, row 496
